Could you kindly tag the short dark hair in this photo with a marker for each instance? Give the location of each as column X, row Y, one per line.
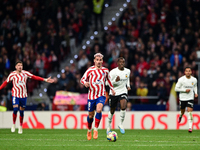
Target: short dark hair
column 120, row 58
column 18, row 62
column 187, row 68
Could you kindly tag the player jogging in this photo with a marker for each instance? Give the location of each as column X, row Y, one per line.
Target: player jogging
column 94, row 78
column 19, row 92
column 120, row 78
column 187, row 86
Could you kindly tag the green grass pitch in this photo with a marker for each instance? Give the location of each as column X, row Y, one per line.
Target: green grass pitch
column 68, row 139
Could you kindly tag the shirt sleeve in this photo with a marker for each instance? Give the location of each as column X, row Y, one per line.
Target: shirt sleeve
column 128, row 83
column 9, row 78
column 195, row 87
column 179, row 87
column 109, row 80
column 85, row 77
column 113, row 77
column 29, row 75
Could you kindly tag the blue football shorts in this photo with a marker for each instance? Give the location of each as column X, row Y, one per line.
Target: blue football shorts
column 92, row 103
column 19, row 101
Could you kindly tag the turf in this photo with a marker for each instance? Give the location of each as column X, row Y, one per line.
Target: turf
column 56, row 139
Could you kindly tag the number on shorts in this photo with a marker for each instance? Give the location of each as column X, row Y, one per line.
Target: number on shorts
column 14, row 100
column 89, row 104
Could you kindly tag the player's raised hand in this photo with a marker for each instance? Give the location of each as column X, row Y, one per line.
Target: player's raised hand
column 195, row 95
column 87, row 84
column 49, row 80
column 113, row 92
column 128, row 88
column 117, row 79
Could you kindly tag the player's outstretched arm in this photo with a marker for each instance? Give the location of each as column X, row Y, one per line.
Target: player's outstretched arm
column 4, row 84
column 49, row 80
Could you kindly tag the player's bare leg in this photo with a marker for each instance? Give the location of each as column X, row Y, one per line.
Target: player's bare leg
column 20, row 131
column 15, row 110
column 122, row 115
column 90, row 120
column 190, row 118
column 180, row 117
column 110, row 116
column 98, row 116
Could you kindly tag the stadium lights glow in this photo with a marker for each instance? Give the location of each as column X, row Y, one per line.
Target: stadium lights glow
column 58, row 75
column 45, row 90
column 106, row 5
column 125, row 5
column 40, row 94
column 109, row 23
column 75, row 56
column 105, row 28
column 121, row 9
column 71, row 61
column 63, row 71
column 113, row 19
column 117, row 14
column 83, row 47
column 95, row 32
column 128, row 1
column 88, row 42
column 92, row 37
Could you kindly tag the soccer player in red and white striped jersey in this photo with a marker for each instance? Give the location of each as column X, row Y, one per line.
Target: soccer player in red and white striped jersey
column 94, row 78
column 19, row 92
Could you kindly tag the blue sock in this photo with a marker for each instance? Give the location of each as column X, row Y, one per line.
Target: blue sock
column 15, row 110
column 21, row 113
column 89, row 120
column 98, row 115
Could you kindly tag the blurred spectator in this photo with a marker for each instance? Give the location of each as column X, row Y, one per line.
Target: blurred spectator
column 52, row 88
column 129, row 106
column 176, row 58
column 63, row 81
column 98, row 6
column 142, row 91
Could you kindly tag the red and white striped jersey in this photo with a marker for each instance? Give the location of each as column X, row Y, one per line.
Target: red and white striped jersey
column 96, row 79
column 19, row 83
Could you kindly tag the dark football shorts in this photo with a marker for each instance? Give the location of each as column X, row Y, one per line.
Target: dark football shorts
column 113, row 100
column 184, row 104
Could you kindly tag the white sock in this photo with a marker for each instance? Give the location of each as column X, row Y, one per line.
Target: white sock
column 122, row 116
column 190, row 119
column 96, row 129
column 110, row 116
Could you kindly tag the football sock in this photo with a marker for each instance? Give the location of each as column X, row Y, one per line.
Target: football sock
column 97, row 120
column 122, row 116
column 190, row 119
column 15, row 114
column 21, row 117
column 110, row 116
column 89, row 121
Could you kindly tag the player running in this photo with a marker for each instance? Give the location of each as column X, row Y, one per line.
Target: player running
column 120, row 78
column 94, row 78
column 19, row 93
column 187, row 86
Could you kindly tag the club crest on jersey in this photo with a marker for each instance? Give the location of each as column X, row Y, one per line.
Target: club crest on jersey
column 103, row 74
column 192, row 83
column 126, row 75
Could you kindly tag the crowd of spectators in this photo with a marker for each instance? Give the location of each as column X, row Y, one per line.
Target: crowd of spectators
column 41, row 33
column 158, row 39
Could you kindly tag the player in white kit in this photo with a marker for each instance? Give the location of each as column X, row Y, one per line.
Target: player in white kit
column 187, row 86
column 120, row 78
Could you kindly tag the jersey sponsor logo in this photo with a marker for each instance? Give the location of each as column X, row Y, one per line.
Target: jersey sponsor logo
column 98, row 82
column 188, row 87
